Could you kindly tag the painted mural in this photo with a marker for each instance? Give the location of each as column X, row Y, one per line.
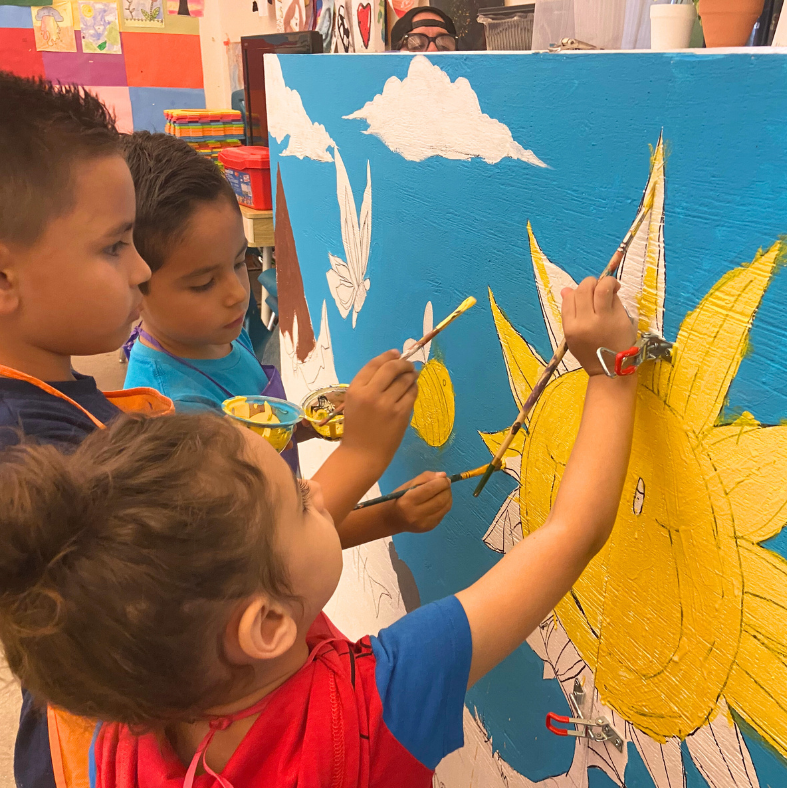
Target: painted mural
column 509, row 189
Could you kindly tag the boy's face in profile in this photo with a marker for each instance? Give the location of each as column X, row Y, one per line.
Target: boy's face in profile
column 75, row 290
column 196, row 302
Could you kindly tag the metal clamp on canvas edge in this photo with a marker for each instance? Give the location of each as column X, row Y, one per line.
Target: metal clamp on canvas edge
column 649, row 347
column 599, row 729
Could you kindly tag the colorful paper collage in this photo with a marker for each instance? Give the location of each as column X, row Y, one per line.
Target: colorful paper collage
column 54, row 27
column 99, row 27
column 153, row 68
column 143, row 13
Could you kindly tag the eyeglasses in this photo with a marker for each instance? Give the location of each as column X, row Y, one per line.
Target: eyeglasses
column 419, row 42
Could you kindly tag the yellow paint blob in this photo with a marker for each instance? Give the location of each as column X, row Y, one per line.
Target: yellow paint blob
column 683, row 608
column 434, row 411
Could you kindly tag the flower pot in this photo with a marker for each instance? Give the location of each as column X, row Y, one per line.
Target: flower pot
column 728, row 23
column 671, row 26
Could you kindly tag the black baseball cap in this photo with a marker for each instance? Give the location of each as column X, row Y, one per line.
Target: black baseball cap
column 405, row 25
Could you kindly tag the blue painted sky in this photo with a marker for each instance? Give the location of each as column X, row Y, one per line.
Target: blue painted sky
column 446, row 229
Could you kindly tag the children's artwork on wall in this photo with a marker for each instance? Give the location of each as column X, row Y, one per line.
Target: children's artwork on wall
column 292, row 16
column 401, row 7
column 359, row 26
column 186, row 7
column 53, row 26
column 99, row 27
column 342, row 31
column 368, row 21
column 676, row 631
column 324, row 10
column 154, row 68
column 143, row 13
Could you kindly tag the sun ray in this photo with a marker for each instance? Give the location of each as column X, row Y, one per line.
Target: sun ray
column 493, row 440
column 720, row 753
column 523, row 364
column 713, row 340
column 750, row 461
column 664, row 762
column 550, row 280
column 506, row 528
column 765, row 598
column 755, row 688
column 642, row 273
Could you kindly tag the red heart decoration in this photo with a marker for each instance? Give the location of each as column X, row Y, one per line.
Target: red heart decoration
column 365, row 22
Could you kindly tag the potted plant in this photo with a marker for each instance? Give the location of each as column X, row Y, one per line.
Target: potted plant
column 728, row 23
column 671, row 25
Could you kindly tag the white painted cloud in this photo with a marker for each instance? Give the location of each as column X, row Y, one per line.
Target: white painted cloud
column 428, row 115
column 288, row 118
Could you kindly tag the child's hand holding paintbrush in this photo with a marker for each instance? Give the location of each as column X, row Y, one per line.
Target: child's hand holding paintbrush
column 460, row 310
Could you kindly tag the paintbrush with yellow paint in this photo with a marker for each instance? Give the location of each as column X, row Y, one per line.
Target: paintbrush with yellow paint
column 457, row 477
column 549, row 370
column 428, row 337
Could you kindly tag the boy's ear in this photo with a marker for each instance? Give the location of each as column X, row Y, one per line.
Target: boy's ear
column 264, row 630
column 9, row 293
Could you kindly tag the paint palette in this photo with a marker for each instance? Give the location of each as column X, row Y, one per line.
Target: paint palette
column 322, row 403
column 274, row 419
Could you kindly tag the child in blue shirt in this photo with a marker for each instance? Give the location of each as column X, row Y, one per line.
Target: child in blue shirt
column 191, row 345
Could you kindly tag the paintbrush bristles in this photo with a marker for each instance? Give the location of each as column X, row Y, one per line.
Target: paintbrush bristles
column 429, row 336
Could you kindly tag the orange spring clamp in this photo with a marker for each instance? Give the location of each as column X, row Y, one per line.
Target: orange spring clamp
column 648, row 348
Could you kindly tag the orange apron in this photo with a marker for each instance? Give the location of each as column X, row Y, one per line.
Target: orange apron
column 70, row 736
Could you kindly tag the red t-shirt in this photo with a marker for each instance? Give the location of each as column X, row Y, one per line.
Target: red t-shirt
column 379, row 713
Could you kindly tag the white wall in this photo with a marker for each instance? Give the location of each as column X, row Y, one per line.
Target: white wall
column 224, row 22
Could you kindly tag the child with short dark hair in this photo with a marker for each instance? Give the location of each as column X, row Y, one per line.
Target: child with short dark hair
column 169, row 577
column 193, row 348
column 69, row 285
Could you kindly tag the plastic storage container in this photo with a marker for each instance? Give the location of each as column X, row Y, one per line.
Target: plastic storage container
column 508, row 28
column 248, row 169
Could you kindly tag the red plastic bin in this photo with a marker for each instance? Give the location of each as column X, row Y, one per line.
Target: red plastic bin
column 248, row 169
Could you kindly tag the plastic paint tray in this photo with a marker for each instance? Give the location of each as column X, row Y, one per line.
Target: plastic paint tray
column 508, row 28
column 243, row 409
column 321, row 403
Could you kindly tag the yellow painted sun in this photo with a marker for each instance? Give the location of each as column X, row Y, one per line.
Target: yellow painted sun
column 683, row 609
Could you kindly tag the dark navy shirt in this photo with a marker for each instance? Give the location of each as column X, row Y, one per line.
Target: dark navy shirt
column 45, row 418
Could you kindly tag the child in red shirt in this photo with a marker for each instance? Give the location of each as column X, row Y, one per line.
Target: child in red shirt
column 169, row 575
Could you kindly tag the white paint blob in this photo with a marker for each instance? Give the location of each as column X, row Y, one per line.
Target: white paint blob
column 288, row 118
column 428, row 115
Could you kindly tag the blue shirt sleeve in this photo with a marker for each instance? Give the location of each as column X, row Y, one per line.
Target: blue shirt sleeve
column 91, row 757
column 423, row 664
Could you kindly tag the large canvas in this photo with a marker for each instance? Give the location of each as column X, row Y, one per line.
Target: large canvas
column 404, row 184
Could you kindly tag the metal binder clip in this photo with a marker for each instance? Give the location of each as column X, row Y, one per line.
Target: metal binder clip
column 648, row 348
column 598, row 730
column 571, row 45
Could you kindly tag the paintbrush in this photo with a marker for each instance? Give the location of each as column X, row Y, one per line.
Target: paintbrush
column 461, row 309
column 541, row 384
column 457, row 477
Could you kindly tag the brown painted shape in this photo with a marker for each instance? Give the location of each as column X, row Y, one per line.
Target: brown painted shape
column 289, row 282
